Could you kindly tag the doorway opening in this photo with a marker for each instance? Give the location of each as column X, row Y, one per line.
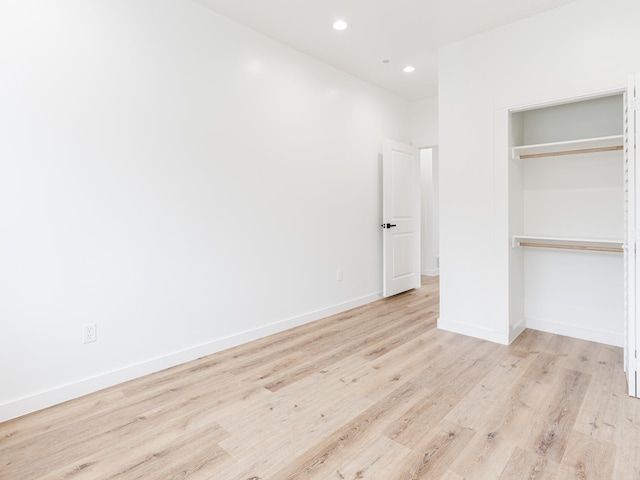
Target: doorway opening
column 429, row 213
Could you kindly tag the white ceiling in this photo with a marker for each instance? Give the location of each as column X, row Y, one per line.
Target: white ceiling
column 401, row 31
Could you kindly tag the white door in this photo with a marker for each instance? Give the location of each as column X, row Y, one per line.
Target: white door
column 400, row 217
column 632, row 219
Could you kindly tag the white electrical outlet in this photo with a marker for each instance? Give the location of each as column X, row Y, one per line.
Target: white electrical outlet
column 89, row 333
column 339, row 275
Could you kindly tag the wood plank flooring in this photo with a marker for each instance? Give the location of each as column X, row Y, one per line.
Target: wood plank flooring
column 374, row 393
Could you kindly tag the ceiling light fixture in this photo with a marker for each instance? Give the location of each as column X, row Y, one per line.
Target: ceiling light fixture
column 340, row 25
column 408, row 69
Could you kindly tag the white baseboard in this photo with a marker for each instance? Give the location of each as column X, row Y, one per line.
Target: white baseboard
column 516, row 330
column 599, row 336
column 607, row 338
column 473, row 331
column 434, row 272
column 63, row 393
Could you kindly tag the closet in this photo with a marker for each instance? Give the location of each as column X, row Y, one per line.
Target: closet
column 567, row 218
column 574, row 220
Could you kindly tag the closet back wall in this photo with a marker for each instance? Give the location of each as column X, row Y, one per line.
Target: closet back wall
column 182, row 181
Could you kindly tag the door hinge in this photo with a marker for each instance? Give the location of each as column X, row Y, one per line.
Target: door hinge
column 634, row 104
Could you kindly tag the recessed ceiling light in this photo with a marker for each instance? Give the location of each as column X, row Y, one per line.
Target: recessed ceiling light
column 408, row 69
column 340, row 25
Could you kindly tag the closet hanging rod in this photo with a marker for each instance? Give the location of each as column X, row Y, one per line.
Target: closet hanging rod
column 572, row 247
column 572, row 152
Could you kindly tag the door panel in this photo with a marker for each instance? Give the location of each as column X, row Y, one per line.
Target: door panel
column 401, row 217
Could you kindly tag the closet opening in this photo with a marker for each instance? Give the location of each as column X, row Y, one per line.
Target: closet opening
column 567, row 222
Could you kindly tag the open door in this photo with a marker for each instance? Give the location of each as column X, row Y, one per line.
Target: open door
column 632, row 235
column 401, row 217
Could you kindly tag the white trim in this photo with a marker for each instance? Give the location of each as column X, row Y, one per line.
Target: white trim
column 591, row 335
column 473, row 331
column 63, row 393
column 569, row 99
column 432, row 272
column 516, row 330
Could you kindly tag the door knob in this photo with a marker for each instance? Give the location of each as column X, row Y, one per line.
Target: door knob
column 388, row 225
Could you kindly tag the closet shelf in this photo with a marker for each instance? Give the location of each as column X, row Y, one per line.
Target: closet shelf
column 572, row 147
column 584, row 244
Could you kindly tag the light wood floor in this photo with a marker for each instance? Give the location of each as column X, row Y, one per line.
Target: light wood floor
column 374, row 393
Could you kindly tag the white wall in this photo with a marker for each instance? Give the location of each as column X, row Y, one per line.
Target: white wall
column 424, row 122
column 544, row 58
column 182, row 181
